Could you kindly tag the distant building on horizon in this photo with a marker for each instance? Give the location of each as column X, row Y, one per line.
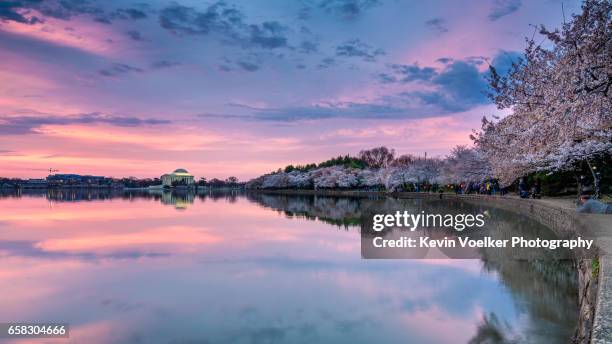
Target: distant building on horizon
column 77, row 180
column 34, row 183
column 180, row 176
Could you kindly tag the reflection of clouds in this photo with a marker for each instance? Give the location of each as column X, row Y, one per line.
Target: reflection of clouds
column 121, row 306
column 450, row 289
column 160, row 238
column 248, row 311
column 473, row 266
column 266, row 334
column 272, row 278
column 350, row 325
column 437, row 326
column 456, row 290
column 102, row 331
column 42, row 217
column 32, row 249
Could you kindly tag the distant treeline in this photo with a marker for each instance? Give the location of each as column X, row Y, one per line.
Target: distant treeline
column 346, row 161
column 373, row 158
column 127, row 182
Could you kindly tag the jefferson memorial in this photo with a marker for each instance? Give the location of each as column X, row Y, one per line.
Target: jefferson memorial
column 180, row 176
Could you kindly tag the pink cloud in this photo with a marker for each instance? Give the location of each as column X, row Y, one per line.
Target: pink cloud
column 78, row 33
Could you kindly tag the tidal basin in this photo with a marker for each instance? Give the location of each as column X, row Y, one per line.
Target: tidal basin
column 254, row 268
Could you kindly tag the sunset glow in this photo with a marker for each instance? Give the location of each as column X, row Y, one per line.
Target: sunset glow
column 127, row 89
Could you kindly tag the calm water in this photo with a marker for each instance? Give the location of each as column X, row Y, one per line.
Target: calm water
column 140, row 268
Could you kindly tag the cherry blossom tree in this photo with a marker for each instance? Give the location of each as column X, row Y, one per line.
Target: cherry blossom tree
column 334, row 177
column 466, row 165
column 559, row 94
column 425, row 171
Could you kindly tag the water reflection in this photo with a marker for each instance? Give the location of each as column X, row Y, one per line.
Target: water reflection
column 178, row 198
column 126, row 267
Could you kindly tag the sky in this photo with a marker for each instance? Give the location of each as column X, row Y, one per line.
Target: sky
column 135, row 88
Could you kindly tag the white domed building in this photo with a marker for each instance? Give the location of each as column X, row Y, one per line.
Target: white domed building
column 180, row 176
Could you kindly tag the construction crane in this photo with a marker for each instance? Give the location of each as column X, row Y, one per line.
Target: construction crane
column 50, row 170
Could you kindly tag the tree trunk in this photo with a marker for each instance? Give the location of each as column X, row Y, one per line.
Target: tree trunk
column 578, row 184
column 595, row 181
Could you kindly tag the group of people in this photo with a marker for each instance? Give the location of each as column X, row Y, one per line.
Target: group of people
column 487, row 187
column 586, row 203
column 589, row 201
column 525, row 192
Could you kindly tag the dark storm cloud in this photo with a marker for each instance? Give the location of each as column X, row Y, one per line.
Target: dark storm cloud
column 463, row 81
column 437, row 25
column 16, row 125
column 249, row 63
column 444, row 60
column 268, row 35
column 131, row 13
column 217, row 18
column 135, row 35
column 20, row 11
column 248, row 66
column 459, row 86
column 327, row 62
column 405, row 105
column 339, row 110
column 118, row 69
column 308, row 47
column 225, row 21
column 477, row 60
column 503, row 61
column 386, row 78
column 356, row 48
column 407, row 73
column 162, row 64
column 224, row 68
column 121, row 13
column 347, row 9
column 9, row 11
column 502, row 8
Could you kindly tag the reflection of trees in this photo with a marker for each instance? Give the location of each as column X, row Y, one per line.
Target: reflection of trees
column 339, row 211
column 544, row 288
column 228, row 195
column 542, row 285
column 492, row 331
column 169, row 197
